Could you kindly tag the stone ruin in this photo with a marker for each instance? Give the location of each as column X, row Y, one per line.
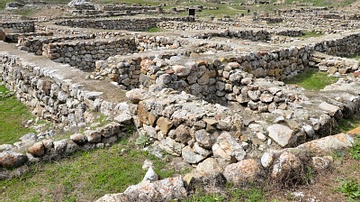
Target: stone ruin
column 211, row 93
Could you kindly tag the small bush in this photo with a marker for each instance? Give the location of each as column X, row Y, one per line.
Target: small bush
column 351, row 189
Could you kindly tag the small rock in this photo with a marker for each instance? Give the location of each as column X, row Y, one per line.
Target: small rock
column 150, row 175
column 37, row 149
column 78, row 138
column 281, row 134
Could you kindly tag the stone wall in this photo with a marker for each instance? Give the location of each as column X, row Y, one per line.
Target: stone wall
column 21, row 27
column 158, row 42
column 249, row 34
column 280, row 64
column 133, row 24
column 345, row 47
column 48, row 99
column 112, row 7
column 247, row 31
column 83, row 54
column 14, row 37
column 35, row 44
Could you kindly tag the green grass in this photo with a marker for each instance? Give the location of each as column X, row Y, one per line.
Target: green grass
column 312, row 79
column 84, row 176
column 233, row 194
column 309, row 34
column 3, row 3
column 351, row 189
column 355, row 149
column 154, row 29
column 24, row 11
column 345, row 125
column 12, row 114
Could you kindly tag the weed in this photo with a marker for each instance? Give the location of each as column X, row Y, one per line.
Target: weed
column 350, row 189
column 142, row 140
column 355, row 149
column 309, row 175
column 338, row 154
column 312, row 79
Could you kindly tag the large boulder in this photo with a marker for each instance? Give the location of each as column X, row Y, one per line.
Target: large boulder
column 242, row 172
column 287, row 168
column 10, row 159
column 163, row 190
column 208, row 175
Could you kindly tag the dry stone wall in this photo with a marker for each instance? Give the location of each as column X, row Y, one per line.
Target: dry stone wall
column 21, row 27
column 14, row 37
column 345, row 47
column 243, row 32
column 133, row 24
column 48, row 99
column 35, row 44
column 83, row 54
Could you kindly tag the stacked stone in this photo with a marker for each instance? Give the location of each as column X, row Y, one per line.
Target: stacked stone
column 288, row 32
column 52, row 98
column 272, row 19
column 248, row 34
column 148, row 42
column 20, row 27
column 334, row 65
column 14, row 37
column 35, row 44
column 134, row 24
column 183, row 125
column 347, row 46
column 83, row 54
column 142, row 9
column 40, row 148
column 172, row 25
column 320, row 24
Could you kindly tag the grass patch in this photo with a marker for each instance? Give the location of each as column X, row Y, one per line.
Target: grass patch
column 84, row 176
column 24, row 11
column 312, row 79
column 232, row 194
column 345, row 125
column 3, row 3
column 154, row 29
column 309, row 34
column 12, row 114
column 355, row 149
